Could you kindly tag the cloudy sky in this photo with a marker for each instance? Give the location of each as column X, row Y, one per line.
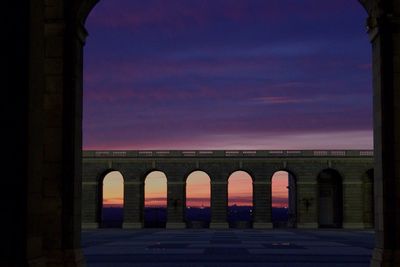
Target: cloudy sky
column 219, row 74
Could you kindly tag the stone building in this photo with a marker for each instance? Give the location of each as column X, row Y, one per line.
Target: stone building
column 327, row 188
column 42, row 123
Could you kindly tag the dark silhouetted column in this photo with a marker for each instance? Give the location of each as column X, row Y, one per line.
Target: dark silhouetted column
column 133, row 205
column 353, row 200
column 91, row 205
column 219, row 204
column 262, row 203
column 176, row 204
column 384, row 30
column 307, row 200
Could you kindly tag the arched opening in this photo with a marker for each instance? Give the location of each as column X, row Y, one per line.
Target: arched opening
column 198, row 200
column 155, row 200
column 368, row 199
column 330, row 199
column 283, row 199
column 112, row 210
column 240, row 200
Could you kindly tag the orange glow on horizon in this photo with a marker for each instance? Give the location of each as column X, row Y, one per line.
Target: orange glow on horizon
column 113, row 190
column 198, row 190
column 155, row 190
column 240, row 189
column 280, row 192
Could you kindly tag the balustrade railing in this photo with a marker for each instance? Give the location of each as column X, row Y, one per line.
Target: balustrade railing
column 224, row 153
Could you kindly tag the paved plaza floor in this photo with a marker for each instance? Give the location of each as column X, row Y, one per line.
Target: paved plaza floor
column 233, row 248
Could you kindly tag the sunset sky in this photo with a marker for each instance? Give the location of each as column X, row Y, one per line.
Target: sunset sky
column 198, row 194
column 219, row 74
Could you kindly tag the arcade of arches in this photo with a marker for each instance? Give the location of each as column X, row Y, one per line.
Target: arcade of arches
column 326, row 188
column 43, row 112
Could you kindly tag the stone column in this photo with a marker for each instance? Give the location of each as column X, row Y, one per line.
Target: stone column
column 133, row 205
column 92, row 194
column 262, row 203
column 307, row 203
column 90, row 205
column 64, row 40
column 176, row 204
column 368, row 202
column 292, row 201
column 219, row 204
column 384, row 30
column 353, row 204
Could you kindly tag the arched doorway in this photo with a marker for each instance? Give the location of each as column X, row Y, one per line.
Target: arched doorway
column 198, row 200
column 155, row 200
column 283, row 200
column 240, row 200
column 330, row 199
column 112, row 209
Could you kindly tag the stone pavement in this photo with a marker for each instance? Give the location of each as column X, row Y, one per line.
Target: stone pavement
column 205, row 247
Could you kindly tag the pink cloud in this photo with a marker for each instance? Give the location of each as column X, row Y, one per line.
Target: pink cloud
column 359, row 139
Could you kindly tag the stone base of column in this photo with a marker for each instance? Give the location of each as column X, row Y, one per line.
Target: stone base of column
column 219, row 225
column 89, row 226
column 70, row 258
column 353, row 226
column 40, row 262
column 132, row 225
column 369, row 226
column 175, row 225
column 385, row 258
column 262, row 225
column 312, row 225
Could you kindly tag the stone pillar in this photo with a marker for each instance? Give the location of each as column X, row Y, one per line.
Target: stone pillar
column 62, row 124
column 384, row 30
column 25, row 185
column 262, row 204
column 219, row 204
column 92, row 195
column 292, row 201
column 176, row 204
column 368, row 202
column 90, row 205
column 353, row 205
column 307, row 203
column 133, row 205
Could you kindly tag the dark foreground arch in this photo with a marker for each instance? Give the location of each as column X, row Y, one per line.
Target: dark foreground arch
column 43, row 111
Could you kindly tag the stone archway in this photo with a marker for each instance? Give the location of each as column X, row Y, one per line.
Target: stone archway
column 383, row 24
column 198, row 200
column 112, row 200
column 155, row 200
column 290, row 196
column 240, row 199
